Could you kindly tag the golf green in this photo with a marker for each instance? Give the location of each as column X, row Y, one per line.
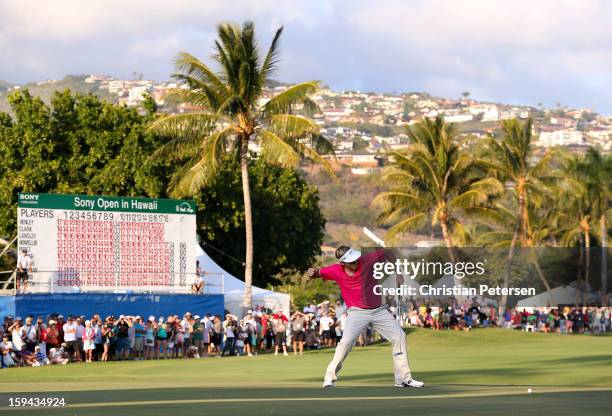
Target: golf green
column 483, row 372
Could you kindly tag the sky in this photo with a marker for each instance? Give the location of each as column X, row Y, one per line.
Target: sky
column 521, row 52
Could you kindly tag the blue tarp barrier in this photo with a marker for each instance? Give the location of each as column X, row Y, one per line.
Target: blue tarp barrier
column 105, row 304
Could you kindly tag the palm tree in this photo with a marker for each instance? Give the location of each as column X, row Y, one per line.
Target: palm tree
column 231, row 114
column 587, row 201
column 511, row 163
column 433, row 180
column 500, row 222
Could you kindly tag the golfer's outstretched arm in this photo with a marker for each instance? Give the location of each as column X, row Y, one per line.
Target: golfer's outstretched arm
column 312, row 273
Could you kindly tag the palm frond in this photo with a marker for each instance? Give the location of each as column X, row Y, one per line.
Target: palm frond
column 276, row 150
column 189, row 66
column 487, row 215
column 185, row 130
column 203, row 166
column 286, row 101
column 399, row 200
column 269, row 64
column 490, row 186
column 407, row 224
column 467, row 199
column 302, row 135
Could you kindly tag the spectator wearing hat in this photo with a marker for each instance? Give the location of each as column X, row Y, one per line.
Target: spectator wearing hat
column 42, row 334
column 139, row 334
column 17, row 333
column 70, row 338
column 207, row 334
column 6, row 348
column 52, row 336
column 229, row 326
column 80, row 322
column 89, row 336
column 8, row 321
column 41, row 356
column 198, row 283
column 59, row 355
column 24, row 267
column 123, row 340
column 99, row 344
column 241, row 337
column 279, row 325
column 197, row 334
column 298, row 332
column 149, row 338
column 26, row 358
column 217, row 335
column 107, row 336
column 60, row 328
column 31, row 334
column 161, row 339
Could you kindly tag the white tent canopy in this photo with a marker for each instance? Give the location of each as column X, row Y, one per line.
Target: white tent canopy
column 221, row 282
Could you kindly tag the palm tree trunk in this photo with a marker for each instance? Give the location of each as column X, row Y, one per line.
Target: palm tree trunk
column 580, row 270
column 553, row 303
column 587, row 272
column 522, row 215
column 604, row 259
column 504, row 300
column 248, row 222
column 442, row 219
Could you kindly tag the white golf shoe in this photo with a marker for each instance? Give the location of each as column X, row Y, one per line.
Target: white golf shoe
column 411, row 383
column 328, row 382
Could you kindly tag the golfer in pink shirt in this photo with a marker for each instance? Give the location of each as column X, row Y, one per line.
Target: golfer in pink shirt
column 353, row 274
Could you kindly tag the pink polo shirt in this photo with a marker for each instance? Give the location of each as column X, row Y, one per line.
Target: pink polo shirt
column 358, row 289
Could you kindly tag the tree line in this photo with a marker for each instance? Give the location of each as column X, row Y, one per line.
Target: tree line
column 78, row 144
column 498, row 192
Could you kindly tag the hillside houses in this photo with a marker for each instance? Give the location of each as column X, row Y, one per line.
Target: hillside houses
column 363, row 149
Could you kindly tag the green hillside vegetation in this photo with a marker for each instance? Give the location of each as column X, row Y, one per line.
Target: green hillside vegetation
column 45, row 90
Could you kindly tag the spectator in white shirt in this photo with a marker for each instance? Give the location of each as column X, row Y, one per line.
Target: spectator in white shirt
column 70, row 337
column 17, row 334
column 198, row 284
column 31, row 334
column 6, row 348
column 24, row 266
column 325, row 325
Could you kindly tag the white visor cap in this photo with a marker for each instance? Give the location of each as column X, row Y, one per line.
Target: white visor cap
column 350, row 256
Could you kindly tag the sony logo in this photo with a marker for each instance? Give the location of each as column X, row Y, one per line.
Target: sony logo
column 29, row 197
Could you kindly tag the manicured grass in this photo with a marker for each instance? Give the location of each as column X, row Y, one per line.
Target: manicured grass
column 482, row 372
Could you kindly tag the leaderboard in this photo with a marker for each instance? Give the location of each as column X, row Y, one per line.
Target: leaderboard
column 107, row 244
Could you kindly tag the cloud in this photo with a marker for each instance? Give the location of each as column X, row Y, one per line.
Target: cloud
column 520, row 51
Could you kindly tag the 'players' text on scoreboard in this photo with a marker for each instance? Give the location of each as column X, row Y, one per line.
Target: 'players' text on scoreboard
column 101, row 243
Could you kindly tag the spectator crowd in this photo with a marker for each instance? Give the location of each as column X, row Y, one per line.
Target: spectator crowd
column 61, row 340
column 468, row 315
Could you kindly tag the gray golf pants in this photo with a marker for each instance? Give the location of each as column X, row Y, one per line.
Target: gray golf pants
column 385, row 324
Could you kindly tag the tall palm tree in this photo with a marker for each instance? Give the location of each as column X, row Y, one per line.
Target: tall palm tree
column 587, row 202
column 575, row 213
column 433, row 180
column 231, row 114
column 511, row 163
column 500, row 233
column 598, row 172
